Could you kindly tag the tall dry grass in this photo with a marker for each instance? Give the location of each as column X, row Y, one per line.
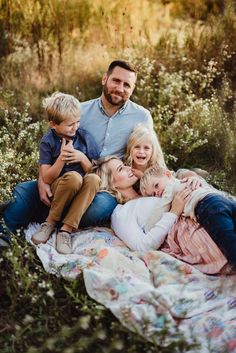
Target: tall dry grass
column 186, row 62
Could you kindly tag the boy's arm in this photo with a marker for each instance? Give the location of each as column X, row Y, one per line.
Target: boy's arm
column 84, row 162
column 80, row 157
column 92, row 151
column 50, row 172
column 74, row 156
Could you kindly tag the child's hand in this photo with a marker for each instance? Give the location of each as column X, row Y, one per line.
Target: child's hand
column 137, row 173
column 76, row 157
column 69, row 154
column 66, row 146
column 67, row 150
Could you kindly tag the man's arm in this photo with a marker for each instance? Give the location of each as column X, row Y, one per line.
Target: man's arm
column 45, row 192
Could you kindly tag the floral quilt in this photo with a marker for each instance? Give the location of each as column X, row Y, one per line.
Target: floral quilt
column 149, row 292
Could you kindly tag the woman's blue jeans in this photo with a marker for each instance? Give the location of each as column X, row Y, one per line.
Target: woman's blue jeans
column 27, row 208
column 217, row 215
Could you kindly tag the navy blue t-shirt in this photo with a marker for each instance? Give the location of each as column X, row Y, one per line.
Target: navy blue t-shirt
column 50, row 148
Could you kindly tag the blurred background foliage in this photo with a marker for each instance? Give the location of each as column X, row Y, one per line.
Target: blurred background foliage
column 185, row 54
column 184, row 51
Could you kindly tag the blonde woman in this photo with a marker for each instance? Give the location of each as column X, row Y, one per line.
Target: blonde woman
column 130, row 218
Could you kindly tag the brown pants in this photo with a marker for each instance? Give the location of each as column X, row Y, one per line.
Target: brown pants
column 72, row 190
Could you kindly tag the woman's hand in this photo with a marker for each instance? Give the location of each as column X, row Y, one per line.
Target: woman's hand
column 179, row 201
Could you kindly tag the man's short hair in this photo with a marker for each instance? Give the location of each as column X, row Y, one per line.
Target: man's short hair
column 61, row 106
column 121, row 63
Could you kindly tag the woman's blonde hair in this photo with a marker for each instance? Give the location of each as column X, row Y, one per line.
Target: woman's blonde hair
column 101, row 168
column 140, row 134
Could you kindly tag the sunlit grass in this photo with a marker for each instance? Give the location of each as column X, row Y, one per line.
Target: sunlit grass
column 44, row 313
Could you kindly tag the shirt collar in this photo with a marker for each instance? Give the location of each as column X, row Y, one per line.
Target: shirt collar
column 60, row 138
column 118, row 112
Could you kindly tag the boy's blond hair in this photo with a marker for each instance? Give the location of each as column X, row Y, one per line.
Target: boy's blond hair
column 154, row 171
column 139, row 134
column 60, row 106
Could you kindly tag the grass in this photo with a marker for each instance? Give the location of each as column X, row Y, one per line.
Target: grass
column 186, row 64
column 44, row 313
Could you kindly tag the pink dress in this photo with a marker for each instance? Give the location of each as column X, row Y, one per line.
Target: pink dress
column 189, row 242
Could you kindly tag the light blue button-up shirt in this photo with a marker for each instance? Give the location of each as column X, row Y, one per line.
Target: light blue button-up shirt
column 111, row 133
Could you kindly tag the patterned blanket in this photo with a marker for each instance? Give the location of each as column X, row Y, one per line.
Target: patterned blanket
column 149, row 292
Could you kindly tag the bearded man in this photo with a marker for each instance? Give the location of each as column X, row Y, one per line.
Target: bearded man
column 110, row 119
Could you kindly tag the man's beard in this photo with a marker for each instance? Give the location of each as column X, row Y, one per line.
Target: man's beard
column 108, row 97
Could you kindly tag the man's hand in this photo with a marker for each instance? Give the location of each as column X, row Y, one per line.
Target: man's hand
column 45, row 192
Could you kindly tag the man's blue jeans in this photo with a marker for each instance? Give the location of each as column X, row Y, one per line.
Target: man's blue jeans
column 217, row 215
column 27, row 208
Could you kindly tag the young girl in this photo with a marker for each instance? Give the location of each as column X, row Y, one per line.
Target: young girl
column 143, row 151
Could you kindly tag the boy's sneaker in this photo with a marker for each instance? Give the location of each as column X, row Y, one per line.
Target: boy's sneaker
column 63, row 243
column 43, row 234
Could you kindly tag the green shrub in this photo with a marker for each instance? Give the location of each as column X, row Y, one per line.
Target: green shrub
column 190, row 115
column 19, row 140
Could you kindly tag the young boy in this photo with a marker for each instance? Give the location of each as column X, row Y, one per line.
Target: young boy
column 215, row 212
column 66, row 152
